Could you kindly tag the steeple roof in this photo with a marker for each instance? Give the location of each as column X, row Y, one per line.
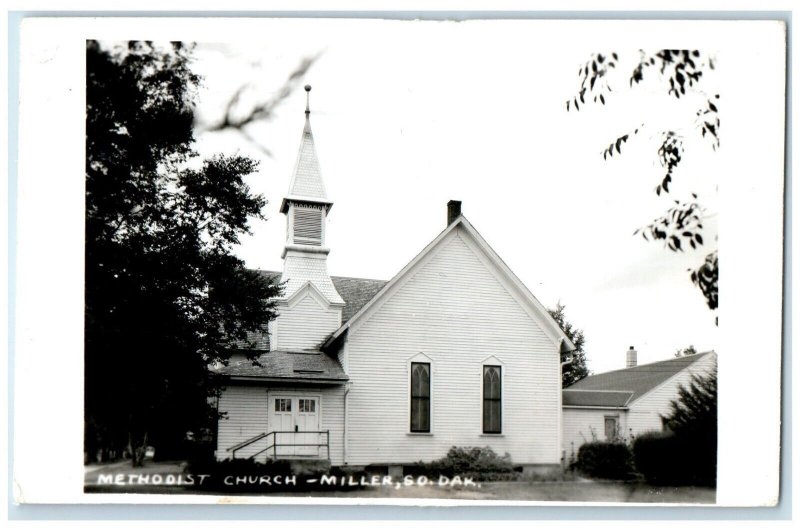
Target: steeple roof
column 306, row 182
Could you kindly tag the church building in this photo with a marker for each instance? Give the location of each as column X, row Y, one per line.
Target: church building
column 452, row 351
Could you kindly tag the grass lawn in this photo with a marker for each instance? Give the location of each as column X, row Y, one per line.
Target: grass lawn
column 578, row 491
column 583, row 491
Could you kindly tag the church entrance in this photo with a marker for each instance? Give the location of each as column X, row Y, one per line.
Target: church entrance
column 295, row 419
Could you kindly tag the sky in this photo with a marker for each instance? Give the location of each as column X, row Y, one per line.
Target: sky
column 407, row 115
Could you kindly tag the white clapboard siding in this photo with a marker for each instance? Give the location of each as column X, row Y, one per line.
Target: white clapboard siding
column 244, row 410
column 585, row 425
column 304, row 325
column 645, row 412
column 247, row 415
column 454, row 310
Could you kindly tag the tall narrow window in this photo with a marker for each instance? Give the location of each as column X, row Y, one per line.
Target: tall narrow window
column 492, row 401
column 420, row 397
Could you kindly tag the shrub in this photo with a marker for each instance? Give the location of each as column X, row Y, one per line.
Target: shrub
column 656, row 457
column 693, row 420
column 608, row 460
column 667, row 458
column 478, row 463
column 685, row 454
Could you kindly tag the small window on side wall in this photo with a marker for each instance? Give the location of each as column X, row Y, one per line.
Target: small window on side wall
column 420, row 397
column 611, row 428
column 492, row 399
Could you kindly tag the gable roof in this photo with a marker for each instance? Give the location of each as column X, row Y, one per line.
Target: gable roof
column 638, row 380
column 591, row 398
column 550, row 327
column 355, row 292
column 287, row 365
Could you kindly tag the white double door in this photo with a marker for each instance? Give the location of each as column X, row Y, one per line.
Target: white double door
column 292, row 417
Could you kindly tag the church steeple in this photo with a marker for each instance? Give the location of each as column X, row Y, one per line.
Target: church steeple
column 306, row 207
column 306, row 204
column 307, row 184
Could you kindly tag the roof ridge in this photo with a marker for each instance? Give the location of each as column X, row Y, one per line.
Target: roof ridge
column 598, row 390
column 271, row 272
column 359, row 278
column 654, row 363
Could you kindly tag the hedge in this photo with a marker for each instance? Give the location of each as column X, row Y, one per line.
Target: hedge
column 607, row 460
column 665, row 458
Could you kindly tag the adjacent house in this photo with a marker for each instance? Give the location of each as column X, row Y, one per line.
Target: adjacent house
column 626, row 402
column 454, row 350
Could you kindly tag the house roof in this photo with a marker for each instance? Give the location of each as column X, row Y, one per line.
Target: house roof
column 637, row 380
column 356, row 292
column 591, row 398
column 551, row 328
column 289, row 365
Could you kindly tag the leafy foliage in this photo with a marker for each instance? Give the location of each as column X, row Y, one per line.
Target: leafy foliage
column 657, row 456
column 617, row 144
column 681, row 69
column 681, row 72
column 164, row 295
column 707, row 121
column 602, row 459
column 706, row 277
column 695, row 410
column 681, row 223
column 670, row 153
column 594, row 81
column 688, row 351
column 686, row 453
column 479, row 463
column 576, row 369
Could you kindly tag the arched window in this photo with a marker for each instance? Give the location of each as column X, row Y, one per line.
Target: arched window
column 421, row 397
column 492, row 399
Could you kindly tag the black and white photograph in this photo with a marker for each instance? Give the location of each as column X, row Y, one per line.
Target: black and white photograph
column 393, row 260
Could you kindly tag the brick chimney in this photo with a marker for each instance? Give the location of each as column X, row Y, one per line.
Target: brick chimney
column 453, row 211
column 630, row 358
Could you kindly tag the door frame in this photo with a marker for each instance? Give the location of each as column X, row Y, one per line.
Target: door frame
column 294, row 394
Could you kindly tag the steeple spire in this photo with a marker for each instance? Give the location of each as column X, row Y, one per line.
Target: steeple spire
column 306, row 207
column 307, row 184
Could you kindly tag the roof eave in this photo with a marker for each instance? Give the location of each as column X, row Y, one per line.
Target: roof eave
column 569, row 406
column 563, row 343
column 301, row 199
column 288, row 379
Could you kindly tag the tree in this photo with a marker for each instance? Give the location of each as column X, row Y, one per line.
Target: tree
column 576, row 369
column 695, row 409
column 680, row 73
column 688, row 351
column 164, row 293
column 693, row 421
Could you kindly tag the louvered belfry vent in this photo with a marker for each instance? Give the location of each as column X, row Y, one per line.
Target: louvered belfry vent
column 307, row 226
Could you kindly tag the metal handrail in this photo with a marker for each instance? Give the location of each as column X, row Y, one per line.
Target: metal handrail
column 274, row 446
column 247, row 442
